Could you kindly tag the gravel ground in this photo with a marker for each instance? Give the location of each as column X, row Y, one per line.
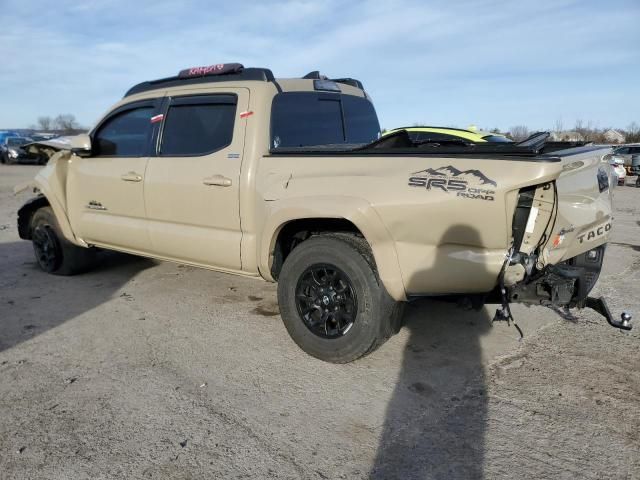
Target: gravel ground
column 145, row 369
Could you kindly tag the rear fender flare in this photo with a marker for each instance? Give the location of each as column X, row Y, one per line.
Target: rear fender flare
column 357, row 211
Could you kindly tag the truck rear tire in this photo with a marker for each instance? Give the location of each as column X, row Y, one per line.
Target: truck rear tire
column 54, row 253
column 332, row 301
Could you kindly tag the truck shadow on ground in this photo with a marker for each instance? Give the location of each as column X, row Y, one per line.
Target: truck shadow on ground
column 436, row 419
column 33, row 302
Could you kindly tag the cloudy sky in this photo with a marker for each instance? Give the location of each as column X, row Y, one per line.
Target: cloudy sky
column 489, row 63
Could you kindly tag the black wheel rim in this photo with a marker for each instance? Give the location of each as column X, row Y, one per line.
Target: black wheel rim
column 326, row 301
column 46, row 247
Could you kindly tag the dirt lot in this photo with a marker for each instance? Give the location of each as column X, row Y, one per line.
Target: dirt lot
column 143, row 369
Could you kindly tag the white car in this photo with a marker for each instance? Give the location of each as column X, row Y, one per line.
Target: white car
column 617, row 164
column 625, row 152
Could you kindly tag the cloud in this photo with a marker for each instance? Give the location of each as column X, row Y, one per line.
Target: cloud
column 492, row 63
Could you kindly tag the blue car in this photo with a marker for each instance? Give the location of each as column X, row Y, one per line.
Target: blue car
column 7, row 133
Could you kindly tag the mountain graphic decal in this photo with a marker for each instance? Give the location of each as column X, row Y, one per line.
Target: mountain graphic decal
column 475, row 176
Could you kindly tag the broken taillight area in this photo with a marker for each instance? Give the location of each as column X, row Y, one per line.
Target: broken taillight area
column 603, row 179
column 532, row 224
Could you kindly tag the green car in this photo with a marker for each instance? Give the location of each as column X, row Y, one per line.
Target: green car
column 447, row 134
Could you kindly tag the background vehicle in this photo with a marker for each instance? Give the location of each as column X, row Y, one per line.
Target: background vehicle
column 446, row 134
column 39, row 137
column 13, row 151
column 625, row 152
column 634, row 168
column 619, row 170
column 231, row 169
column 7, row 133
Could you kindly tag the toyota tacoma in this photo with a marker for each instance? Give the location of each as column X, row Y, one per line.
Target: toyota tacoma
column 228, row 168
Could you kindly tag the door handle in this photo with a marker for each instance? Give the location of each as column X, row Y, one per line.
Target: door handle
column 218, row 180
column 131, row 177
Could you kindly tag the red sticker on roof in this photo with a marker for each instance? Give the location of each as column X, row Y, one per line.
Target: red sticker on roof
column 218, row 69
column 157, row 118
column 246, row 114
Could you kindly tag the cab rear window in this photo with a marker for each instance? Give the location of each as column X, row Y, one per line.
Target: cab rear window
column 305, row 119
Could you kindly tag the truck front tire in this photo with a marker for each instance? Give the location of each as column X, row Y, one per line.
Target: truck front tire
column 54, row 253
column 332, row 301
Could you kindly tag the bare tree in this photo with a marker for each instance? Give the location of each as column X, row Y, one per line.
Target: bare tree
column 519, row 133
column 66, row 123
column 45, row 123
column 586, row 130
column 558, row 126
column 633, row 132
column 582, row 129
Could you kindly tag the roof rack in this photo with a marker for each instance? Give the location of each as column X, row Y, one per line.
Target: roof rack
column 213, row 73
column 350, row 81
column 316, row 75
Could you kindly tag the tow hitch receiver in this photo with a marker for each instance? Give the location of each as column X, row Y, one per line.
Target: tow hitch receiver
column 600, row 306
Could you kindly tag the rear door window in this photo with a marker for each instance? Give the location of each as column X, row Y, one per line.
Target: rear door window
column 198, row 125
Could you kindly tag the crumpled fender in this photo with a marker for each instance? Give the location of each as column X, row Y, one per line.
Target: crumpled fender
column 356, row 210
column 51, row 182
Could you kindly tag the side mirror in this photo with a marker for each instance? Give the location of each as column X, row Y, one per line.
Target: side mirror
column 81, row 145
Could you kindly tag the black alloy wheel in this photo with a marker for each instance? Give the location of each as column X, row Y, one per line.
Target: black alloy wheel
column 47, row 248
column 326, row 301
column 336, row 314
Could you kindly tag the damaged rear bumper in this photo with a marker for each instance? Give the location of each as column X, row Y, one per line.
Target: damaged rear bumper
column 567, row 285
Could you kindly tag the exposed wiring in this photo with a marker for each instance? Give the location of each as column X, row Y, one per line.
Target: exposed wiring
column 554, row 216
column 504, row 313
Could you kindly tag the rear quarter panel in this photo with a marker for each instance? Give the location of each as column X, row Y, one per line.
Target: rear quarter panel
column 443, row 242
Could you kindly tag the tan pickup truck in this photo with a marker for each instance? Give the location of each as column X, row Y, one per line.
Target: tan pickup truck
column 231, row 169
